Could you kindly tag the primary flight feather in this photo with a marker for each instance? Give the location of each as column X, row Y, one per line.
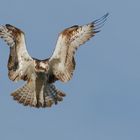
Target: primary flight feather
column 39, row 90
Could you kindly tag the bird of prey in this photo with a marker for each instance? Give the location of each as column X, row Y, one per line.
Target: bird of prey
column 40, row 75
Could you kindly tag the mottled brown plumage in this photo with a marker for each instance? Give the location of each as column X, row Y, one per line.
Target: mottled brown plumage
column 39, row 90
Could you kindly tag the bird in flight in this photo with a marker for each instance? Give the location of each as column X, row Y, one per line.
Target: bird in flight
column 40, row 75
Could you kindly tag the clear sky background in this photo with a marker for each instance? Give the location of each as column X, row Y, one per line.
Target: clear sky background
column 103, row 98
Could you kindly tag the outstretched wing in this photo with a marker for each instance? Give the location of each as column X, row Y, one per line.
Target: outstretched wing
column 19, row 59
column 62, row 61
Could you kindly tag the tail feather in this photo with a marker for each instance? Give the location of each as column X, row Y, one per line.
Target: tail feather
column 26, row 95
column 53, row 95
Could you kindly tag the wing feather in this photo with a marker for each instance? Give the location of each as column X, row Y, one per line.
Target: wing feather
column 19, row 59
column 62, row 61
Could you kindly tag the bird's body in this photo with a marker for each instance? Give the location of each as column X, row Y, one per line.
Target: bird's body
column 39, row 90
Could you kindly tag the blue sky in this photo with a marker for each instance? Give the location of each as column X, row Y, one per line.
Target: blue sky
column 103, row 98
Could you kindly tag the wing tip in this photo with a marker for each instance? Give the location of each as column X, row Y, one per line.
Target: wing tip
column 8, row 25
column 104, row 17
column 13, row 28
column 99, row 23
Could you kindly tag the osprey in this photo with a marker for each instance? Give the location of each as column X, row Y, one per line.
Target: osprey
column 39, row 90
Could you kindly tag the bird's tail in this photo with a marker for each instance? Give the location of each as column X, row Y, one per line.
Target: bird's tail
column 27, row 95
column 52, row 96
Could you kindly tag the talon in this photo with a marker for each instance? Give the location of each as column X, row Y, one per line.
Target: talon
column 61, row 94
column 49, row 103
